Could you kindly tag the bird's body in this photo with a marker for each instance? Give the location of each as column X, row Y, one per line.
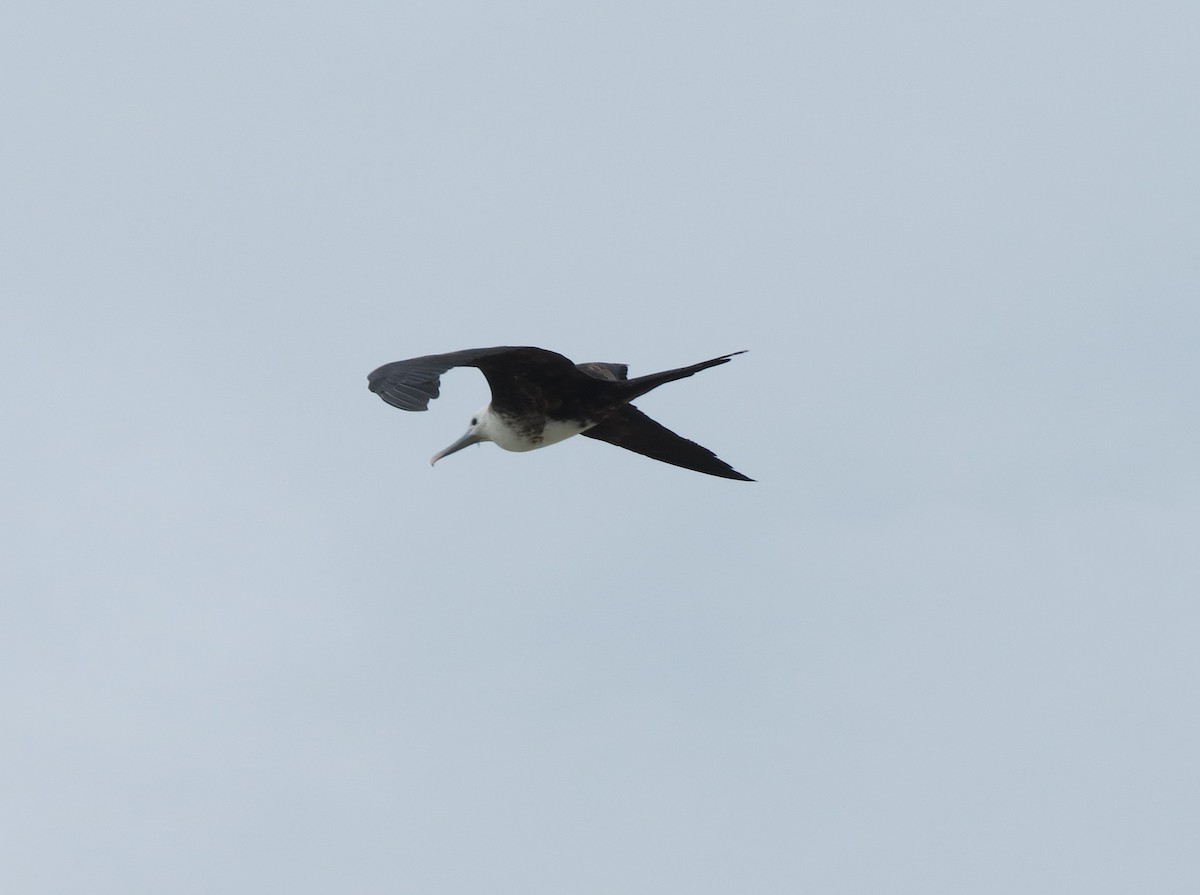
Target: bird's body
column 516, row 433
column 540, row 398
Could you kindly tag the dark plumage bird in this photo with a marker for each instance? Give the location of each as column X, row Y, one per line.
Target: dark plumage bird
column 540, row 398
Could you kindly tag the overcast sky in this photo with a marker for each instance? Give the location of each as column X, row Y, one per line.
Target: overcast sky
column 947, row 643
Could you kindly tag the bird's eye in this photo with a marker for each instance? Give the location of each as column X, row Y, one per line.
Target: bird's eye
column 474, row 421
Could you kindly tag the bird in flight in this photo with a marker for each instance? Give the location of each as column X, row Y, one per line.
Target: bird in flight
column 540, row 398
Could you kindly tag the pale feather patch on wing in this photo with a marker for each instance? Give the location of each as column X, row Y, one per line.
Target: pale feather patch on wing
column 601, row 370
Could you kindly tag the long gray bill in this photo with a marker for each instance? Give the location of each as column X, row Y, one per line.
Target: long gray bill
column 466, row 441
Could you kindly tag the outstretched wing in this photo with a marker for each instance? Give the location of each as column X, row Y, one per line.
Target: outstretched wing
column 631, row 429
column 411, row 384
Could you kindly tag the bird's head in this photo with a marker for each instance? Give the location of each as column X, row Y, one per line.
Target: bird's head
column 477, row 432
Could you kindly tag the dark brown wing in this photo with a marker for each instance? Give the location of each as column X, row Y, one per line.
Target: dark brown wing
column 631, row 429
column 536, row 382
column 519, row 377
column 411, row 384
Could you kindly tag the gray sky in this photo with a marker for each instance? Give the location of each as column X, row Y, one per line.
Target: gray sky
column 252, row 643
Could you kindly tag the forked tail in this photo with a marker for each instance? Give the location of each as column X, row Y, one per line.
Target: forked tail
column 642, row 384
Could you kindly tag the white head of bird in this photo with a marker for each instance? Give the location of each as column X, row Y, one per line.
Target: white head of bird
column 487, row 425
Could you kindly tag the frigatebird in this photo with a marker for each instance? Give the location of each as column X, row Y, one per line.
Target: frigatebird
column 540, row 398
